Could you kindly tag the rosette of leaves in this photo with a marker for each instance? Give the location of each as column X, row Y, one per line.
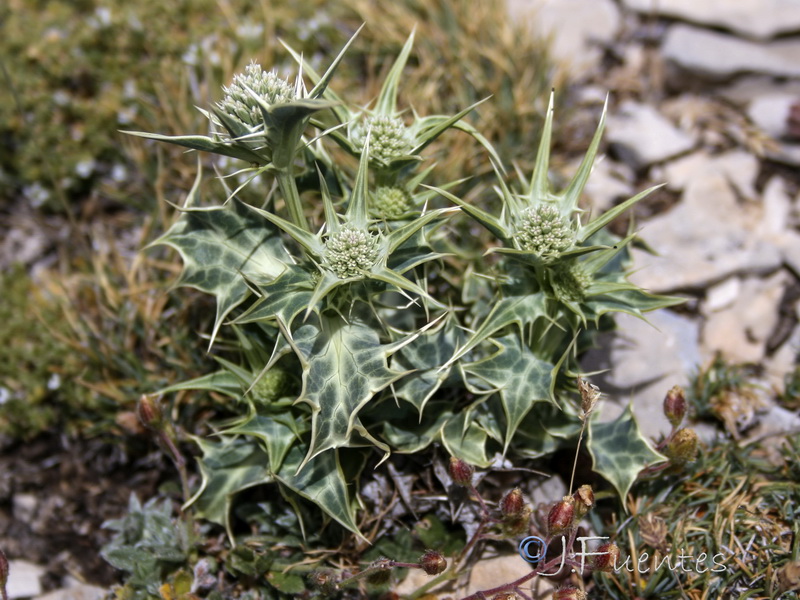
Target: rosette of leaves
column 374, row 360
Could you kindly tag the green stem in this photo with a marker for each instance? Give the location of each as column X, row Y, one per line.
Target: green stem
column 291, row 196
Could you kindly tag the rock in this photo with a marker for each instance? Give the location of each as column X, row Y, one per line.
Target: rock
column 494, row 572
column 739, row 333
column 643, row 136
column 770, row 112
column 789, row 244
column 709, row 236
column 590, row 24
column 747, row 88
column 720, row 56
column 740, row 168
column 642, row 362
column 77, row 591
column 610, row 181
column 23, row 579
column 753, row 18
column 722, row 295
column 774, row 425
column 24, row 507
column 783, row 361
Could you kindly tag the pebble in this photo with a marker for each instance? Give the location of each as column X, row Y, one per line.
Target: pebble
column 23, row 579
column 577, row 47
column 76, row 591
column 643, row 136
column 719, row 55
column 753, row 18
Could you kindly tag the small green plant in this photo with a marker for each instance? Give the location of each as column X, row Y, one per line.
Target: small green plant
column 355, row 326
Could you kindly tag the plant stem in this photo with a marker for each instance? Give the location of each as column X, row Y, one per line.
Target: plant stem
column 292, row 198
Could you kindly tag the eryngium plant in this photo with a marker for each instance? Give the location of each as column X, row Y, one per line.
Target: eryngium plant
column 362, row 327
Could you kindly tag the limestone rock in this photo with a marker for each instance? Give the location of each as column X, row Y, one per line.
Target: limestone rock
column 23, row 579
column 610, row 181
column 78, row 591
column 753, row 18
column 711, row 234
column 662, row 348
column 739, row 333
column 578, row 28
column 718, row 55
column 644, row 136
column 770, row 112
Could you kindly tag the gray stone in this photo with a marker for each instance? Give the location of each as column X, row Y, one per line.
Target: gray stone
column 24, row 507
column 770, row 112
column 721, row 56
column 754, row 18
column 722, row 295
column 590, row 23
column 644, row 136
column 23, row 579
column 789, row 244
column 740, row 168
column 662, row 349
column 747, row 88
column 709, row 236
column 739, row 333
column 76, row 591
column 610, row 181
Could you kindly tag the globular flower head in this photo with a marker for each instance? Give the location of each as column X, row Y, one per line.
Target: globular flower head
column 569, row 281
column 389, row 138
column 543, row 231
column 675, row 405
column 350, row 252
column 390, row 202
column 239, row 102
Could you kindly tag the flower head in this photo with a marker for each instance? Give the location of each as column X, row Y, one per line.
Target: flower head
column 388, row 137
column 239, row 102
column 544, row 231
column 350, row 251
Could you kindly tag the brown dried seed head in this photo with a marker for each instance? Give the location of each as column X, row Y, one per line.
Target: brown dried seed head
column 788, row 577
column 433, row 562
column 561, row 516
column 149, row 412
column 590, row 394
column 512, row 503
column 675, row 405
column 584, row 500
column 608, row 560
column 324, row 580
column 569, row 593
column 682, row 448
column 653, row 530
column 461, row 471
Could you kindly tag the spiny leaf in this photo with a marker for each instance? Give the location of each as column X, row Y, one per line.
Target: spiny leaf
column 226, row 468
column 518, row 376
column 620, row 451
column 344, row 366
column 220, row 247
column 517, row 309
column 423, row 356
column 321, row 481
column 276, row 433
